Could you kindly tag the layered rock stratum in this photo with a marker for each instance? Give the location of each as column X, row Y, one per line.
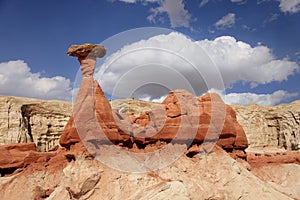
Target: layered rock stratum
column 265, row 126
column 42, row 121
column 25, row 120
column 215, row 176
column 272, row 126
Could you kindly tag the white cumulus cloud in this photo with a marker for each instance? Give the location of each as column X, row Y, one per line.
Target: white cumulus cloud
column 16, row 79
column 246, row 98
column 289, row 6
column 238, row 61
column 260, row 99
column 149, row 68
column 226, row 21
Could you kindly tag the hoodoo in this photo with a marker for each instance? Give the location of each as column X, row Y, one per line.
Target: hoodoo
column 181, row 118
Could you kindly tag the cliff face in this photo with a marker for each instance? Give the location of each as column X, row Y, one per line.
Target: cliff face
column 275, row 126
column 31, row 120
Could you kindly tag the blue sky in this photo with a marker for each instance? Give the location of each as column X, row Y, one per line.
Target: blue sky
column 262, row 36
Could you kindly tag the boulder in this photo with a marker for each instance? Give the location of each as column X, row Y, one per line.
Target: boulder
column 87, row 50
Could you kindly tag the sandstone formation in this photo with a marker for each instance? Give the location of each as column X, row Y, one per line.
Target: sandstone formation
column 132, row 106
column 87, row 50
column 275, row 126
column 156, row 137
column 181, row 118
column 48, row 119
column 215, row 176
column 92, row 115
column 232, row 134
column 32, row 120
column 18, row 156
column 282, row 177
column 166, row 122
column 263, row 158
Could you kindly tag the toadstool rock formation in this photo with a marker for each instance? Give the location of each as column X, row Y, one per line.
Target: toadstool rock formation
column 181, row 118
column 83, row 119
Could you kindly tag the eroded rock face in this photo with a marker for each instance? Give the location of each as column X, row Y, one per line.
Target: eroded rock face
column 282, row 177
column 181, row 118
column 206, row 118
column 265, row 157
column 232, row 134
column 92, row 118
column 169, row 121
column 15, row 156
column 275, row 126
column 217, row 176
column 104, row 124
column 32, row 120
column 132, row 106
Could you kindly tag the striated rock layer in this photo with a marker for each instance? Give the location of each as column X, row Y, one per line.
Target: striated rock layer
column 32, row 120
column 216, row 176
column 181, row 118
column 14, row 157
column 275, row 126
column 272, row 126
